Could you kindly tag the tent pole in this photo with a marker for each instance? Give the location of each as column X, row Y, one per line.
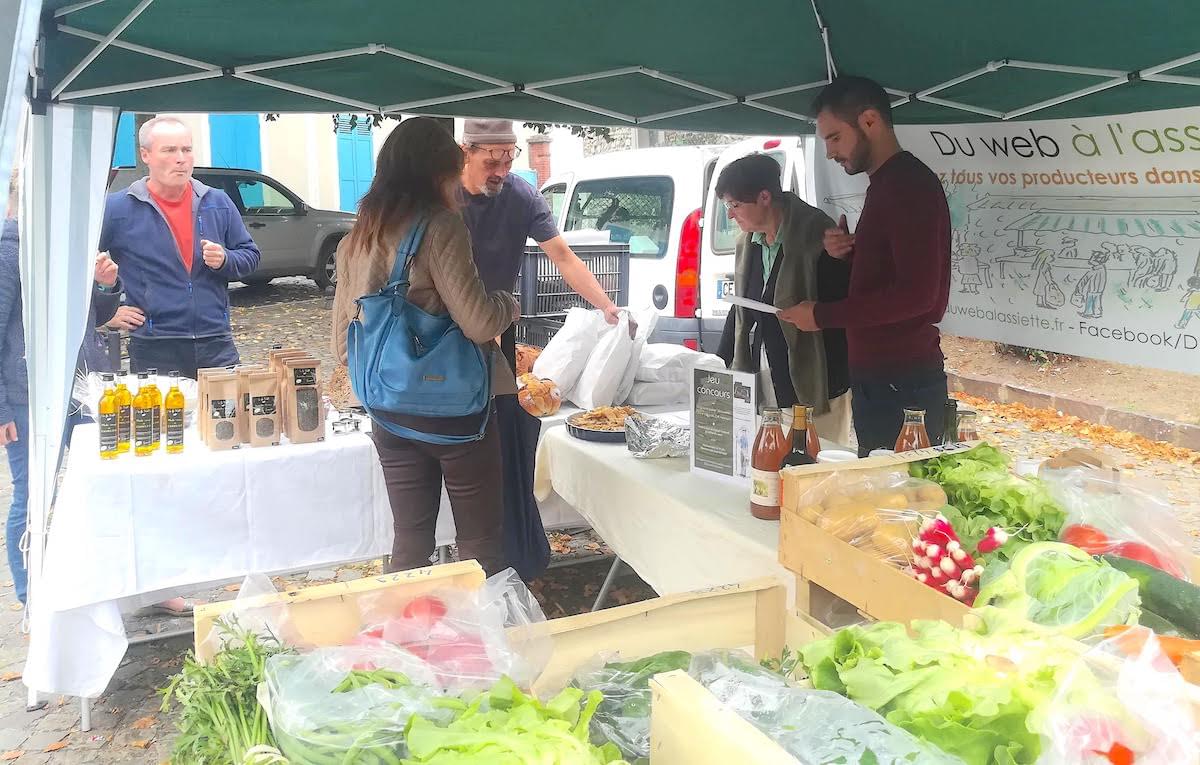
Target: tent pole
column 686, row 84
column 1173, row 64
column 1172, row 79
column 1017, row 64
column 284, row 62
column 1068, row 97
column 586, row 77
column 95, row 52
column 153, row 52
column 960, row 106
column 311, row 93
column 580, row 105
column 444, row 67
column 991, row 67
column 143, row 85
column 830, row 67
column 785, row 91
column 780, row 112
column 76, row 7
column 446, row 99
column 687, row 110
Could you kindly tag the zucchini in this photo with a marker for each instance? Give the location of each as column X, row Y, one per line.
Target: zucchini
column 1173, row 599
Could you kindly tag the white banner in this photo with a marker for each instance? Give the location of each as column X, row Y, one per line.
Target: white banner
column 1076, row 236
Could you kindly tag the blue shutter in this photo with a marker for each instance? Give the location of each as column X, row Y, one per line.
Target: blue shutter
column 125, row 142
column 356, row 161
column 234, row 142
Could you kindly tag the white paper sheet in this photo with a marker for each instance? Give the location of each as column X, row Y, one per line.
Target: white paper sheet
column 753, row 305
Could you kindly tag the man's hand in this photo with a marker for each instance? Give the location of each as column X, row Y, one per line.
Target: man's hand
column 214, row 254
column 127, row 318
column 839, row 242
column 8, row 433
column 106, row 271
column 612, row 315
column 803, row 315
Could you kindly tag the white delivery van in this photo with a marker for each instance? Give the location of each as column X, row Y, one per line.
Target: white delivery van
column 654, row 200
column 721, row 234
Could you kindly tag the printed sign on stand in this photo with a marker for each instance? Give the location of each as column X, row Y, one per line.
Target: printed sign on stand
column 724, row 411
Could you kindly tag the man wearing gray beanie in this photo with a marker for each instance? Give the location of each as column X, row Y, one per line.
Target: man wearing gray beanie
column 502, row 212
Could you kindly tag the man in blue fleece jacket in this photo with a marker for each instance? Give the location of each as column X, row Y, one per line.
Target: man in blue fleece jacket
column 178, row 244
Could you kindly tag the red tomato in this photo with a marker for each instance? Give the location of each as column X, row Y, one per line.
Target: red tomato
column 426, row 610
column 1087, row 538
column 1148, row 555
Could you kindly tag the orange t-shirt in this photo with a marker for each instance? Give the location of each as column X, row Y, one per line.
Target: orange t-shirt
column 179, row 220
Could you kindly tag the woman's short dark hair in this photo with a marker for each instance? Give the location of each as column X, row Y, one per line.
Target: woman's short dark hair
column 847, row 97
column 744, row 178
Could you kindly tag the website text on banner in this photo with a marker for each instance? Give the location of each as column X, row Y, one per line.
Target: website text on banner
column 1077, row 236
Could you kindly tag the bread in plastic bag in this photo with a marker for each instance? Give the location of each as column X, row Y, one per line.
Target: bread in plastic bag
column 646, row 321
column 1114, row 514
column 879, row 511
column 604, row 371
column 1114, row 705
column 567, row 353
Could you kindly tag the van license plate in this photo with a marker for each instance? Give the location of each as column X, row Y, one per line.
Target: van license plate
column 724, row 288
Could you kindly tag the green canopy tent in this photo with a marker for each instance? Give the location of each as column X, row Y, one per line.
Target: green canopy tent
column 701, row 65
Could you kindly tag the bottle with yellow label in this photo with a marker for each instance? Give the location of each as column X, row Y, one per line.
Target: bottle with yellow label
column 157, row 396
column 107, row 411
column 144, row 413
column 124, row 415
column 174, row 416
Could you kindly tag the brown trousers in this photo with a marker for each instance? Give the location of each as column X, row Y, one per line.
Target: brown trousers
column 473, row 473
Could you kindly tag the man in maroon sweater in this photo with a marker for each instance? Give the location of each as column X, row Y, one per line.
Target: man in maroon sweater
column 899, row 272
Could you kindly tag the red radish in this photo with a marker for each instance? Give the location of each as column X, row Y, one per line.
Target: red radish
column 992, row 541
column 425, row 610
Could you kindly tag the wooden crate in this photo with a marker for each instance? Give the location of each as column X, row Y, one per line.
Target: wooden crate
column 330, row 614
column 688, row 724
column 826, row 565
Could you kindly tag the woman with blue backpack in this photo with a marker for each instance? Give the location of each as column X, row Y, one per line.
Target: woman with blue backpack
column 416, row 327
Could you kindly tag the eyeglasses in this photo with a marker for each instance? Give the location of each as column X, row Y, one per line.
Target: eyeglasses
column 731, row 204
column 500, row 155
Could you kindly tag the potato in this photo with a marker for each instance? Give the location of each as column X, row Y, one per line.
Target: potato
column 811, row 513
column 849, row 522
column 892, row 500
column 834, row 500
column 928, row 507
column 932, row 493
column 893, row 539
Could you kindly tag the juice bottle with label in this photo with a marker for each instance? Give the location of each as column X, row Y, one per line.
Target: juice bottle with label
column 107, row 411
column 912, row 434
column 157, row 397
column 771, row 446
column 144, row 412
column 968, row 430
column 814, row 440
column 124, row 415
column 174, row 405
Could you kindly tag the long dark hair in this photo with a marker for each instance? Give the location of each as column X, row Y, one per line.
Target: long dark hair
column 412, row 173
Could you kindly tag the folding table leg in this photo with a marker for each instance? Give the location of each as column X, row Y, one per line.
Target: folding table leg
column 608, row 582
column 85, row 715
column 444, row 554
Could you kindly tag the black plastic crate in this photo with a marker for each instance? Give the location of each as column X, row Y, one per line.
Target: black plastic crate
column 542, row 291
column 537, row 331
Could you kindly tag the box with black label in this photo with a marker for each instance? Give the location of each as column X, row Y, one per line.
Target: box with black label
column 278, row 366
column 263, row 409
column 221, row 412
column 244, row 371
column 304, row 418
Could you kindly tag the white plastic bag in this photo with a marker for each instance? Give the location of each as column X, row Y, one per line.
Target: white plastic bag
column 646, row 322
column 567, row 352
column 666, row 362
column 657, row 394
column 605, row 368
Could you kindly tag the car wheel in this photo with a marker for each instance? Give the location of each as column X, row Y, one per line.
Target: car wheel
column 326, row 274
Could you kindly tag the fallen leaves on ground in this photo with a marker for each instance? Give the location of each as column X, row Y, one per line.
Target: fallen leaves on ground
column 232, row 587
column 141, row 743
column 1051, row 420
column 143, row 723
column 8, row 677
column 12, row 754
column 56, row 746
column 560, row 544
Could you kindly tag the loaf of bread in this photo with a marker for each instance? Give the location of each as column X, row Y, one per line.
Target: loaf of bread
column 526, row 356
column 541, row 398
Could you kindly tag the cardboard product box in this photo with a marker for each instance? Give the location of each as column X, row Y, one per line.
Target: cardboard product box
column 221, row 411
column 281, row 371
column 243, row 421
column 262, row 409
column 304, row 418
column 202, row 375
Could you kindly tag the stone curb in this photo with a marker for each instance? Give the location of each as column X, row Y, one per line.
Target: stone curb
column 1155, row 428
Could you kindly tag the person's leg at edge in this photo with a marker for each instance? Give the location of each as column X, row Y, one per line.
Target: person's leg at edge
column 474, row 474
column 18, row 513
column 414, row 485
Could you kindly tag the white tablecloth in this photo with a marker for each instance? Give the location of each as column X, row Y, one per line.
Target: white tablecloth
column 680, row 531
column 134, row 531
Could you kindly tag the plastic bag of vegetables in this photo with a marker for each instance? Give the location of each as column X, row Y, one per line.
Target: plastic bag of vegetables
column 1122, row 516
column 813, row 725
column 623, row 716
column 878, row 511
column 337, row 703
column 1060, row 588
column 1118, row 707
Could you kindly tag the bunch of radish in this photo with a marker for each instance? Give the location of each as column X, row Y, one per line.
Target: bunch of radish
column 940, row 561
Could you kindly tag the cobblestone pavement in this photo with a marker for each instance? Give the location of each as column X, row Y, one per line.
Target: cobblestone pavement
column 127, row 725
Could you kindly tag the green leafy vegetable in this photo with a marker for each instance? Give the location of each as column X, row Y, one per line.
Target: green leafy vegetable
column 967, row 693
column 221, row 718
column 1063, row 589
column 983, row 493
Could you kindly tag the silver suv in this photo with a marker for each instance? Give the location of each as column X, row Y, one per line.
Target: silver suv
column 295, row 239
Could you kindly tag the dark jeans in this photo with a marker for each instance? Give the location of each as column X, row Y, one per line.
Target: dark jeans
column 18, row 513
column 182, row 355
column 413, row 472
column 879, row 406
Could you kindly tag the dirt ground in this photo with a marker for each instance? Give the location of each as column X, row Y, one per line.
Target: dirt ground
column 1172, row 395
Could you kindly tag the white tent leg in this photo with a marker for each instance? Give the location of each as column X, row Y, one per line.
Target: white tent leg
column 85, row 715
